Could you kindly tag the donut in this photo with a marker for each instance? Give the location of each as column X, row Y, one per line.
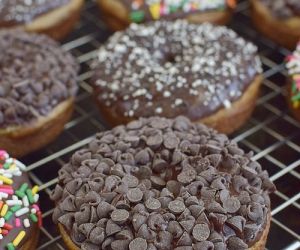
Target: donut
column 160, row 183
column 293, row 67
column 55, row 18
column 20, row 215
column 207, row 73
column 279, row 20
column 38, row 82
column 118, row 14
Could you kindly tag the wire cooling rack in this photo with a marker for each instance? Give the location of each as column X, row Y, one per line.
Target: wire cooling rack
column 272, row 133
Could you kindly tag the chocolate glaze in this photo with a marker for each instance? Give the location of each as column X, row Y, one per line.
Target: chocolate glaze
column 283, row 9
column 174, row 68
column 14, row 12
column 35, row 76
column 162, row 184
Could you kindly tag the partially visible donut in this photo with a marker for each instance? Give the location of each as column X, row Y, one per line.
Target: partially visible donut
column 20, row 215
column 55, row 18
column 207, row 73
column 293, row 67
column 278, row 19
column 162, row 184
column 118, row 14
column 38, row 83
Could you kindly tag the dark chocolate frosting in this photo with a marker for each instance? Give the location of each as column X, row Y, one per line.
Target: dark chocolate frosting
column 283, row 9
column 158, row 183
column 174, row 68
column 149, row 10
column 24, row 11
column 35, row 76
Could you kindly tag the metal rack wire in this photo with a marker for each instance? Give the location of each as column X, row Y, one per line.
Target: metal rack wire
column 272, row 133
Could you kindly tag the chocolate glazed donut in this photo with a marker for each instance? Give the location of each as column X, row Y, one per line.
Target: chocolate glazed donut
column 162, row 184
column 207, row 73
column 55, row 18
column 118, row 14
column 38, row 82
column 278, row 19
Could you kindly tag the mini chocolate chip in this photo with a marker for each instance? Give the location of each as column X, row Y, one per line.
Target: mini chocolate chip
column 236, row 243
column 176, row 206
column 138, row 220
column 154, row 141
column 142, row 157
column 173, row 187
column 120, row 215
column 250, row 232
column 188, row 224
column 175, row 229
column 255, row 212
column 138, row 244
column 204, row 245
column 237, row 223
column 111, row 228
column 134, row 195
column 130, row 180
column 187, row 175
column 157, row 181
column 184, row 240
column 196, row 210
column 171, row 141
column 232, row 205
column 152, row 204
column 201, row 232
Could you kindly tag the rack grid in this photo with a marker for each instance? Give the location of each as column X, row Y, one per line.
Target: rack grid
column 272, row 133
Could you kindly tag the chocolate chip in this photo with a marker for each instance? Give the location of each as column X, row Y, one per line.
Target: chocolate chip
column 187, row 176
column 201, row 232
column 236, row 243
column 185, row 240
column 237, row 223
column 154, row 141
column 157, row 181
column 138, row 220
column 135, row 195
column 232, row 205
column 204, row 245
column 176, row 206
column 111, row 228
column 120, row 216
column 171, row 141
column 138, row 244
column 152, row 204
column 142, row 157
column 130, row 180
column 175, row 229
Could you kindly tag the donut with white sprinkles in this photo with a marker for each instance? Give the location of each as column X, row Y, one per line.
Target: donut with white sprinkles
column 207, row 73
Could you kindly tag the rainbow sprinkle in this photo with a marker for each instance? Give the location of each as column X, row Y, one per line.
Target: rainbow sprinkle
column 293, row 67
column 18, row 208
column 161, row 8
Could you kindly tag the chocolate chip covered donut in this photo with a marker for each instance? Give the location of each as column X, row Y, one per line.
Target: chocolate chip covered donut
column 120, row 13
column 293, row 67
column 37, row 89
column 207, row 73
column 278, row 19
column 20, row 215
column 55, row 18
column 158, row 183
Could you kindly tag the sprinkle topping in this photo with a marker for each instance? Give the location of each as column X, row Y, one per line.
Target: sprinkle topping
column 18, row 203
column 146, row 10
column 24, row 11
column 293, row 67
column 174, row 68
